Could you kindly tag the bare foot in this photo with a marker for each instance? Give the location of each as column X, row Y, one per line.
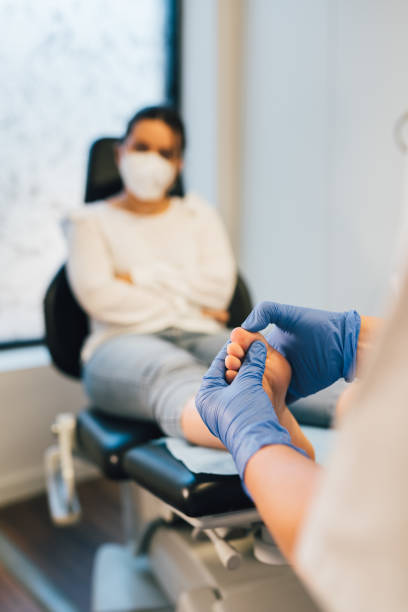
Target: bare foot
column 277, row 369
column 275, row 381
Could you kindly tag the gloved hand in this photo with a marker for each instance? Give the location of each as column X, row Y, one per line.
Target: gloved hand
column 241, row 414
column 320, row 346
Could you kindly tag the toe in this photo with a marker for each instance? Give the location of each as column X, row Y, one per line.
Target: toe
column 230, row 375
column 245, row 338
column 232, row 363
column 236, row 350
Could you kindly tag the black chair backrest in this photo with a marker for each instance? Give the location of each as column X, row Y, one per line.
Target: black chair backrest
column 102, row 177
column 240, row 305
column 66, row 323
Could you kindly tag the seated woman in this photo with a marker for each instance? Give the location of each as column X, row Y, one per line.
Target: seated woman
column 155, row 273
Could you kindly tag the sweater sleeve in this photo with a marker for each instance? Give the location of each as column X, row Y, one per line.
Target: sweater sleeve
column 92, row 278
column 212, row 284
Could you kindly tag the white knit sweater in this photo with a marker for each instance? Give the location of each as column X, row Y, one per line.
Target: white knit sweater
column 180, row 261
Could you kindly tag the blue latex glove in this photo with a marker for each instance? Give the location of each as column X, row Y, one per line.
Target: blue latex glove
column 321, row 346
column 241, row 415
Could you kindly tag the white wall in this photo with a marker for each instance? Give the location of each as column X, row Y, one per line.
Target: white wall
column 31, row 397
column 368, row 92
column 285, row 121
column 323, row 84
column 199, row 95
column 212, row 74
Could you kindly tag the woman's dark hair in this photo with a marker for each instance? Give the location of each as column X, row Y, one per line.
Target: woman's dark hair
column 170, row 116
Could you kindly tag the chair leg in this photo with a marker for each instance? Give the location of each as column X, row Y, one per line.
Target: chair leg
column 142, row 513
column 63, row 500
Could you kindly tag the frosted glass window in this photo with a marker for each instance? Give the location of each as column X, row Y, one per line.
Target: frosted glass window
column 70, row 71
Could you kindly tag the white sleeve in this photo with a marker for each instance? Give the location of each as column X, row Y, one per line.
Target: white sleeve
column 91, row 276
column 212, row 283
column 215, row 281
column 353, row 549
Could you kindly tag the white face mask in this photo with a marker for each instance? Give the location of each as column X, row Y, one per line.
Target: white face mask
column 146, row 174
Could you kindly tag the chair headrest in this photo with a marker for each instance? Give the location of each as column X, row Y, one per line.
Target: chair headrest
column 102, row 177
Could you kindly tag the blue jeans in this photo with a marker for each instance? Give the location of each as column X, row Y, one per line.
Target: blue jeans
column 150, row 377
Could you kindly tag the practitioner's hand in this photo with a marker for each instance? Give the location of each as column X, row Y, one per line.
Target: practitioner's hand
column 320, row 346
column 222, row 316
column 241, row 414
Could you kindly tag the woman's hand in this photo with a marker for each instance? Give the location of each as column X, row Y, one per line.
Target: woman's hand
column 123, row 276
column 222, row 316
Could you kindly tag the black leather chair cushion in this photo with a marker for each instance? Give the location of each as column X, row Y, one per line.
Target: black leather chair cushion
column 318, row 410
column 240, row 305
column 320, row 416
column 102, row 177
column 154, row 467
column 103, row 440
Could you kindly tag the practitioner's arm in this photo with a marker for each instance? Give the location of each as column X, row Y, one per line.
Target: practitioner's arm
column 282, row 484
column 280, row 479
column 242, row 416
column 370, row 326
column 278, row 475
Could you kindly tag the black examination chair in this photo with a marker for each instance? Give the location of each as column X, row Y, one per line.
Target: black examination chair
column 180, row 523
column 102, row 438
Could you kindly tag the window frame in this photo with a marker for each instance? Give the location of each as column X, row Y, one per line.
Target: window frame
column 172, row 89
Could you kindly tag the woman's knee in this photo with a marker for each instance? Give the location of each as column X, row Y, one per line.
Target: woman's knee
column 207, row 347
column 140, row 380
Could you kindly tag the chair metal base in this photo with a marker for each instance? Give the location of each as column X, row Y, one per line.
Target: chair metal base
column 185, row 575
column 123, row 582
